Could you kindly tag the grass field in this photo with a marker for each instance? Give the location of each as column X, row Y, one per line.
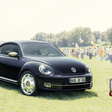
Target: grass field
column 95, row 100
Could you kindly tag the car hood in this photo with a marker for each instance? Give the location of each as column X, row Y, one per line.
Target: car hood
column 64, row 64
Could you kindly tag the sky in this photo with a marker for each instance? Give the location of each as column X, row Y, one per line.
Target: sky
column 23, row 19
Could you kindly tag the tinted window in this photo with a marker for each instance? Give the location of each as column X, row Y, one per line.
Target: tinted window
column 1, row 49
column 9, row 48
column 40, row 49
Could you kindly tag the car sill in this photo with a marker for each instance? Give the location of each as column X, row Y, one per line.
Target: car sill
column 15, row 81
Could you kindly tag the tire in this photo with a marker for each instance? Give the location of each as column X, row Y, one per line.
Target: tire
column 82, row 90
column 28, row 83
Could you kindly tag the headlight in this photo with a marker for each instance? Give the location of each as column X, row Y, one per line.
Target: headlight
column 46, row 70
column 88, row 69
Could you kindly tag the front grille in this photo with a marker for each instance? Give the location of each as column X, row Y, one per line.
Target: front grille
column 70, row 86
column 76, row 87
column 71, row 74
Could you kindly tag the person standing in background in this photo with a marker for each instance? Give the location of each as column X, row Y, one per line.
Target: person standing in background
column 90, row 53
column 98, row 53
column 87, row 52
column 78, row 53
column 101, row 54
column 82, row 53
column 107, row 51
column 95, row 52
column 65, row 52
column 110, row 54
column 72, row 52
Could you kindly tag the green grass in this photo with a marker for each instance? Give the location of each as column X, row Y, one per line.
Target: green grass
column 95, row 100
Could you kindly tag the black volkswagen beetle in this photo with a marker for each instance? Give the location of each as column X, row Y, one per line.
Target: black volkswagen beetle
column 35, row 66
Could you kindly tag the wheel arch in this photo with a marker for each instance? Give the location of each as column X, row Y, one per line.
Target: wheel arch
column 29, row 66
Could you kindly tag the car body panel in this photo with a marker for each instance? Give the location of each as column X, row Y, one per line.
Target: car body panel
column 64, row 64
column 11, row 69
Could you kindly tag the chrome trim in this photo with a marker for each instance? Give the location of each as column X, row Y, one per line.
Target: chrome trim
column 73, row 69
column 8, row 79
column 28, row 84
column 70, row 85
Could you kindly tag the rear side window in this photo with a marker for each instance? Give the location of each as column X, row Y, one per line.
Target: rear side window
column 6, row 49
column 1, row 49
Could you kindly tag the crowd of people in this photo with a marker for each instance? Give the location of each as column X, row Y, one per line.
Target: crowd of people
column 99, row 52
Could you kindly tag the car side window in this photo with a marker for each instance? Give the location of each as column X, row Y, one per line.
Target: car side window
column 1, row 49
column 9, row 48
column 48, row 51
column 44, row 51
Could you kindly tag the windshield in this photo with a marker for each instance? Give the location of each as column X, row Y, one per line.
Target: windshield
column 40, row 50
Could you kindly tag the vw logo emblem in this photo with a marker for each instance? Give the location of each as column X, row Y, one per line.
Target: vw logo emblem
column 73, row 69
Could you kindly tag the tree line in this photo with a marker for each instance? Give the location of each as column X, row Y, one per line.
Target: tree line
column 80, row 35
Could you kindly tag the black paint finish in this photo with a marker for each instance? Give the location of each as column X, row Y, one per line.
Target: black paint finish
column 11, row 68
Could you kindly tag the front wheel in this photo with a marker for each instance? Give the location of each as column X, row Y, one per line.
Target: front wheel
column 82, row 90
column 28, row 83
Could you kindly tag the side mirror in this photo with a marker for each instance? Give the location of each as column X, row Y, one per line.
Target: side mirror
column 13, row 54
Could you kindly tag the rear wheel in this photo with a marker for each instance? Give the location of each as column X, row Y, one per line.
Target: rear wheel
column 28, row 83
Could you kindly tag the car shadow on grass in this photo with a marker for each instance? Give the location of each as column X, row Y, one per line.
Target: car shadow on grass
column 9, row 86
column 68, row 95
column 54, row 95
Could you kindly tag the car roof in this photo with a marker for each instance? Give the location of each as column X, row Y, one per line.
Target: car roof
column 24, row 41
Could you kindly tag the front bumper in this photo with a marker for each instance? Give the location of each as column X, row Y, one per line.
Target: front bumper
column 61, row 83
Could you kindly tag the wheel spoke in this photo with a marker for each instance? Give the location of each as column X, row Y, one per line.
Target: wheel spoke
column 23, row 82
column 28, row 84
column 30, row 90
column 31, row 78
column 32, row 87
column 28, row 76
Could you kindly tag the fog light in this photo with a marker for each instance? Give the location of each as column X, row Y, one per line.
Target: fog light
column 46, row 84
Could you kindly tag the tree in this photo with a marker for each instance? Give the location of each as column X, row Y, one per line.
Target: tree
column 51, row 35
column 86, row 34
column 40, row 36
column 97, row 35
column 64, row 42
column 109, row 35
column 79, row 35
column 73, row 36
column 103, row 36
